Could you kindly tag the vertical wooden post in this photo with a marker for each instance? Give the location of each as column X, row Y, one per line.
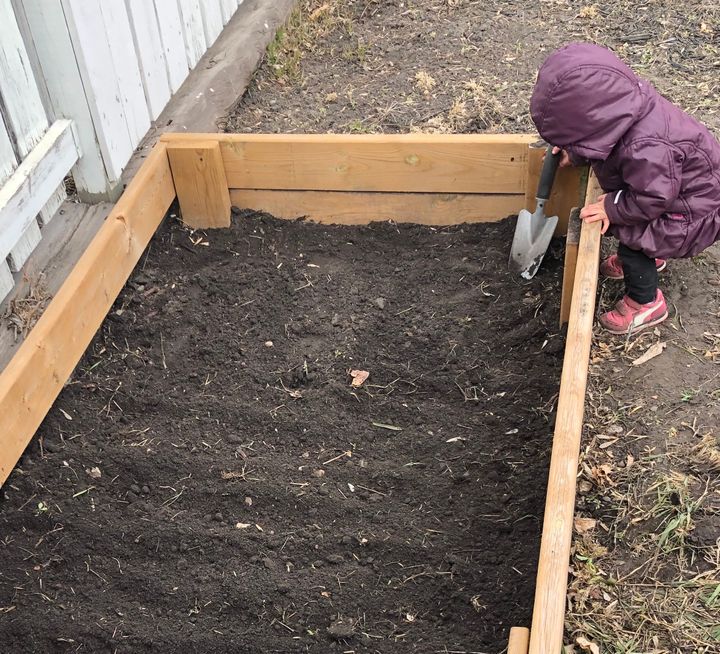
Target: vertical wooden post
column 200, row 183
column 546, row 633
column 566, row 192
column 519, row 640
column 572, row 240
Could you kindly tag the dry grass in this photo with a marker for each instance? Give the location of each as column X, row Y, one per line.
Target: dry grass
column 23, row 312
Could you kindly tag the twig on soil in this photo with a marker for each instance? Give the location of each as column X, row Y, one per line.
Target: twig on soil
column 347, row 453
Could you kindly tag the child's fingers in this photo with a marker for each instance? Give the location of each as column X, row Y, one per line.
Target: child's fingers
column 556, row 149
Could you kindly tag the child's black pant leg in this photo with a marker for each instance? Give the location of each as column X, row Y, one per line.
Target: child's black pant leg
column 641, row 277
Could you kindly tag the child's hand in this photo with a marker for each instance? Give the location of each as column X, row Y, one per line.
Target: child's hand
column 564, row 158
column 595, row 212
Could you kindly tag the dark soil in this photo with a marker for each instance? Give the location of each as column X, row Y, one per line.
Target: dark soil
column 209, row 481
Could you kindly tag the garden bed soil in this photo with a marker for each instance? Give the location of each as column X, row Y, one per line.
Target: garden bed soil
column 210, row 481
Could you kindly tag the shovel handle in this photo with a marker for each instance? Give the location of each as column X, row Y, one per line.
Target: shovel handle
column 547, row 176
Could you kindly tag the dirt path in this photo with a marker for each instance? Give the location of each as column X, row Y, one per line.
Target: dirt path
column 645, row 568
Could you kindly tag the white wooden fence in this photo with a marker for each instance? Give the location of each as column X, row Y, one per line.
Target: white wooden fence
column 84, row 78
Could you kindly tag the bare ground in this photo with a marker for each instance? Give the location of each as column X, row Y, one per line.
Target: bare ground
column 645, row 566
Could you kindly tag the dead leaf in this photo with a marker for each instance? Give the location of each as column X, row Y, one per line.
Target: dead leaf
column 654, row 350
column 630, row 460
column 359, row 377
column 584, row 525
column 94, row 472
column 587, row 645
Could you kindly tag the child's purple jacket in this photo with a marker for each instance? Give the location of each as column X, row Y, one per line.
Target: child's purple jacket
column 660, row 166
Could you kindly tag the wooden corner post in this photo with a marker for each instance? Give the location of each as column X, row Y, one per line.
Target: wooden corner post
column 566, row 191
column 519, row 640
column 200, row 182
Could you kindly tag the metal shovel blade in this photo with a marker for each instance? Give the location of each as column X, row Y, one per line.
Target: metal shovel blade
column 533, row 233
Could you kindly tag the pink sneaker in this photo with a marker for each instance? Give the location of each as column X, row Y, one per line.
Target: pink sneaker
column 631, row 316
column 612, row 267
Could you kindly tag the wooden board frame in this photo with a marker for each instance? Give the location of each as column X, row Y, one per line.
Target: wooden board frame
column 346, row 179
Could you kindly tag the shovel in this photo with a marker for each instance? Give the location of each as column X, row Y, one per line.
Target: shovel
column 533, row 232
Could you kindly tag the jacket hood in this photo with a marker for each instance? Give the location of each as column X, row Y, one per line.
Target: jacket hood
column 585, row 99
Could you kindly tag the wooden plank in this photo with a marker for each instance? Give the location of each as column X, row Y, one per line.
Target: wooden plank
column 21, row 106
column 519, row 640
column 48, row 28
column 64, row 331
column 150, row 54
column 355, row 208
column 202, row 189
column 118, row 34
column 36, row 178
column 100, row 83
column 566, row 191
column 7, row 281
column 434, row 163
column 171, row 35
column 546, row 633
column 228, row 8
column 572, row 241
column 8, row 160
column 212, row 20
column 64, row 241
column 193, row 30
column 24, row 246
column 47, row 213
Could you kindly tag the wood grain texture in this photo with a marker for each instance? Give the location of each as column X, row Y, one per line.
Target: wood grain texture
column 27, row 190
column 566, row 190
column 171, row 35
column 50, row 33
column 546, row 633
column 62, row 334
column 519, row 640
column 356, row 208
column 150, row 54
column 193, row 30
column 419, row 163
column 572, row 240
column 202, row 189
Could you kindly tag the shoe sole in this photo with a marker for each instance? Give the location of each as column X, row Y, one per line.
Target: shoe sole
column 606, row 276
column 640, row 328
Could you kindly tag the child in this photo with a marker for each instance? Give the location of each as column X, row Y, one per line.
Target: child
column 660, row 169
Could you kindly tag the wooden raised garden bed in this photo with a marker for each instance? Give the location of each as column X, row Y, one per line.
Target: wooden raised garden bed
column 436, row 180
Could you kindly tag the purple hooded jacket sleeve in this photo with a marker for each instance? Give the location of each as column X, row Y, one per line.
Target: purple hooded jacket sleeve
column 651, row 170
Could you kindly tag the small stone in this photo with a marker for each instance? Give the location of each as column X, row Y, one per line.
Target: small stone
column 268, row 563
column 146, row 490
column 51, row 446
column 248, row 501
column 380, row 302
column 135, row 489
column 130, row 496
column 317, row 564
column 318, row 473
column 334, row 558
column 324, row 490
column 335, row 320
column 347, row 540
column 218, row 516
column 269, row 344
column 207, row 517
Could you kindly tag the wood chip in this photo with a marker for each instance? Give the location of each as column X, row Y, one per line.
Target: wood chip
column 359, row 377
column 587, row 645
column 584, row 525
column 653, row 351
